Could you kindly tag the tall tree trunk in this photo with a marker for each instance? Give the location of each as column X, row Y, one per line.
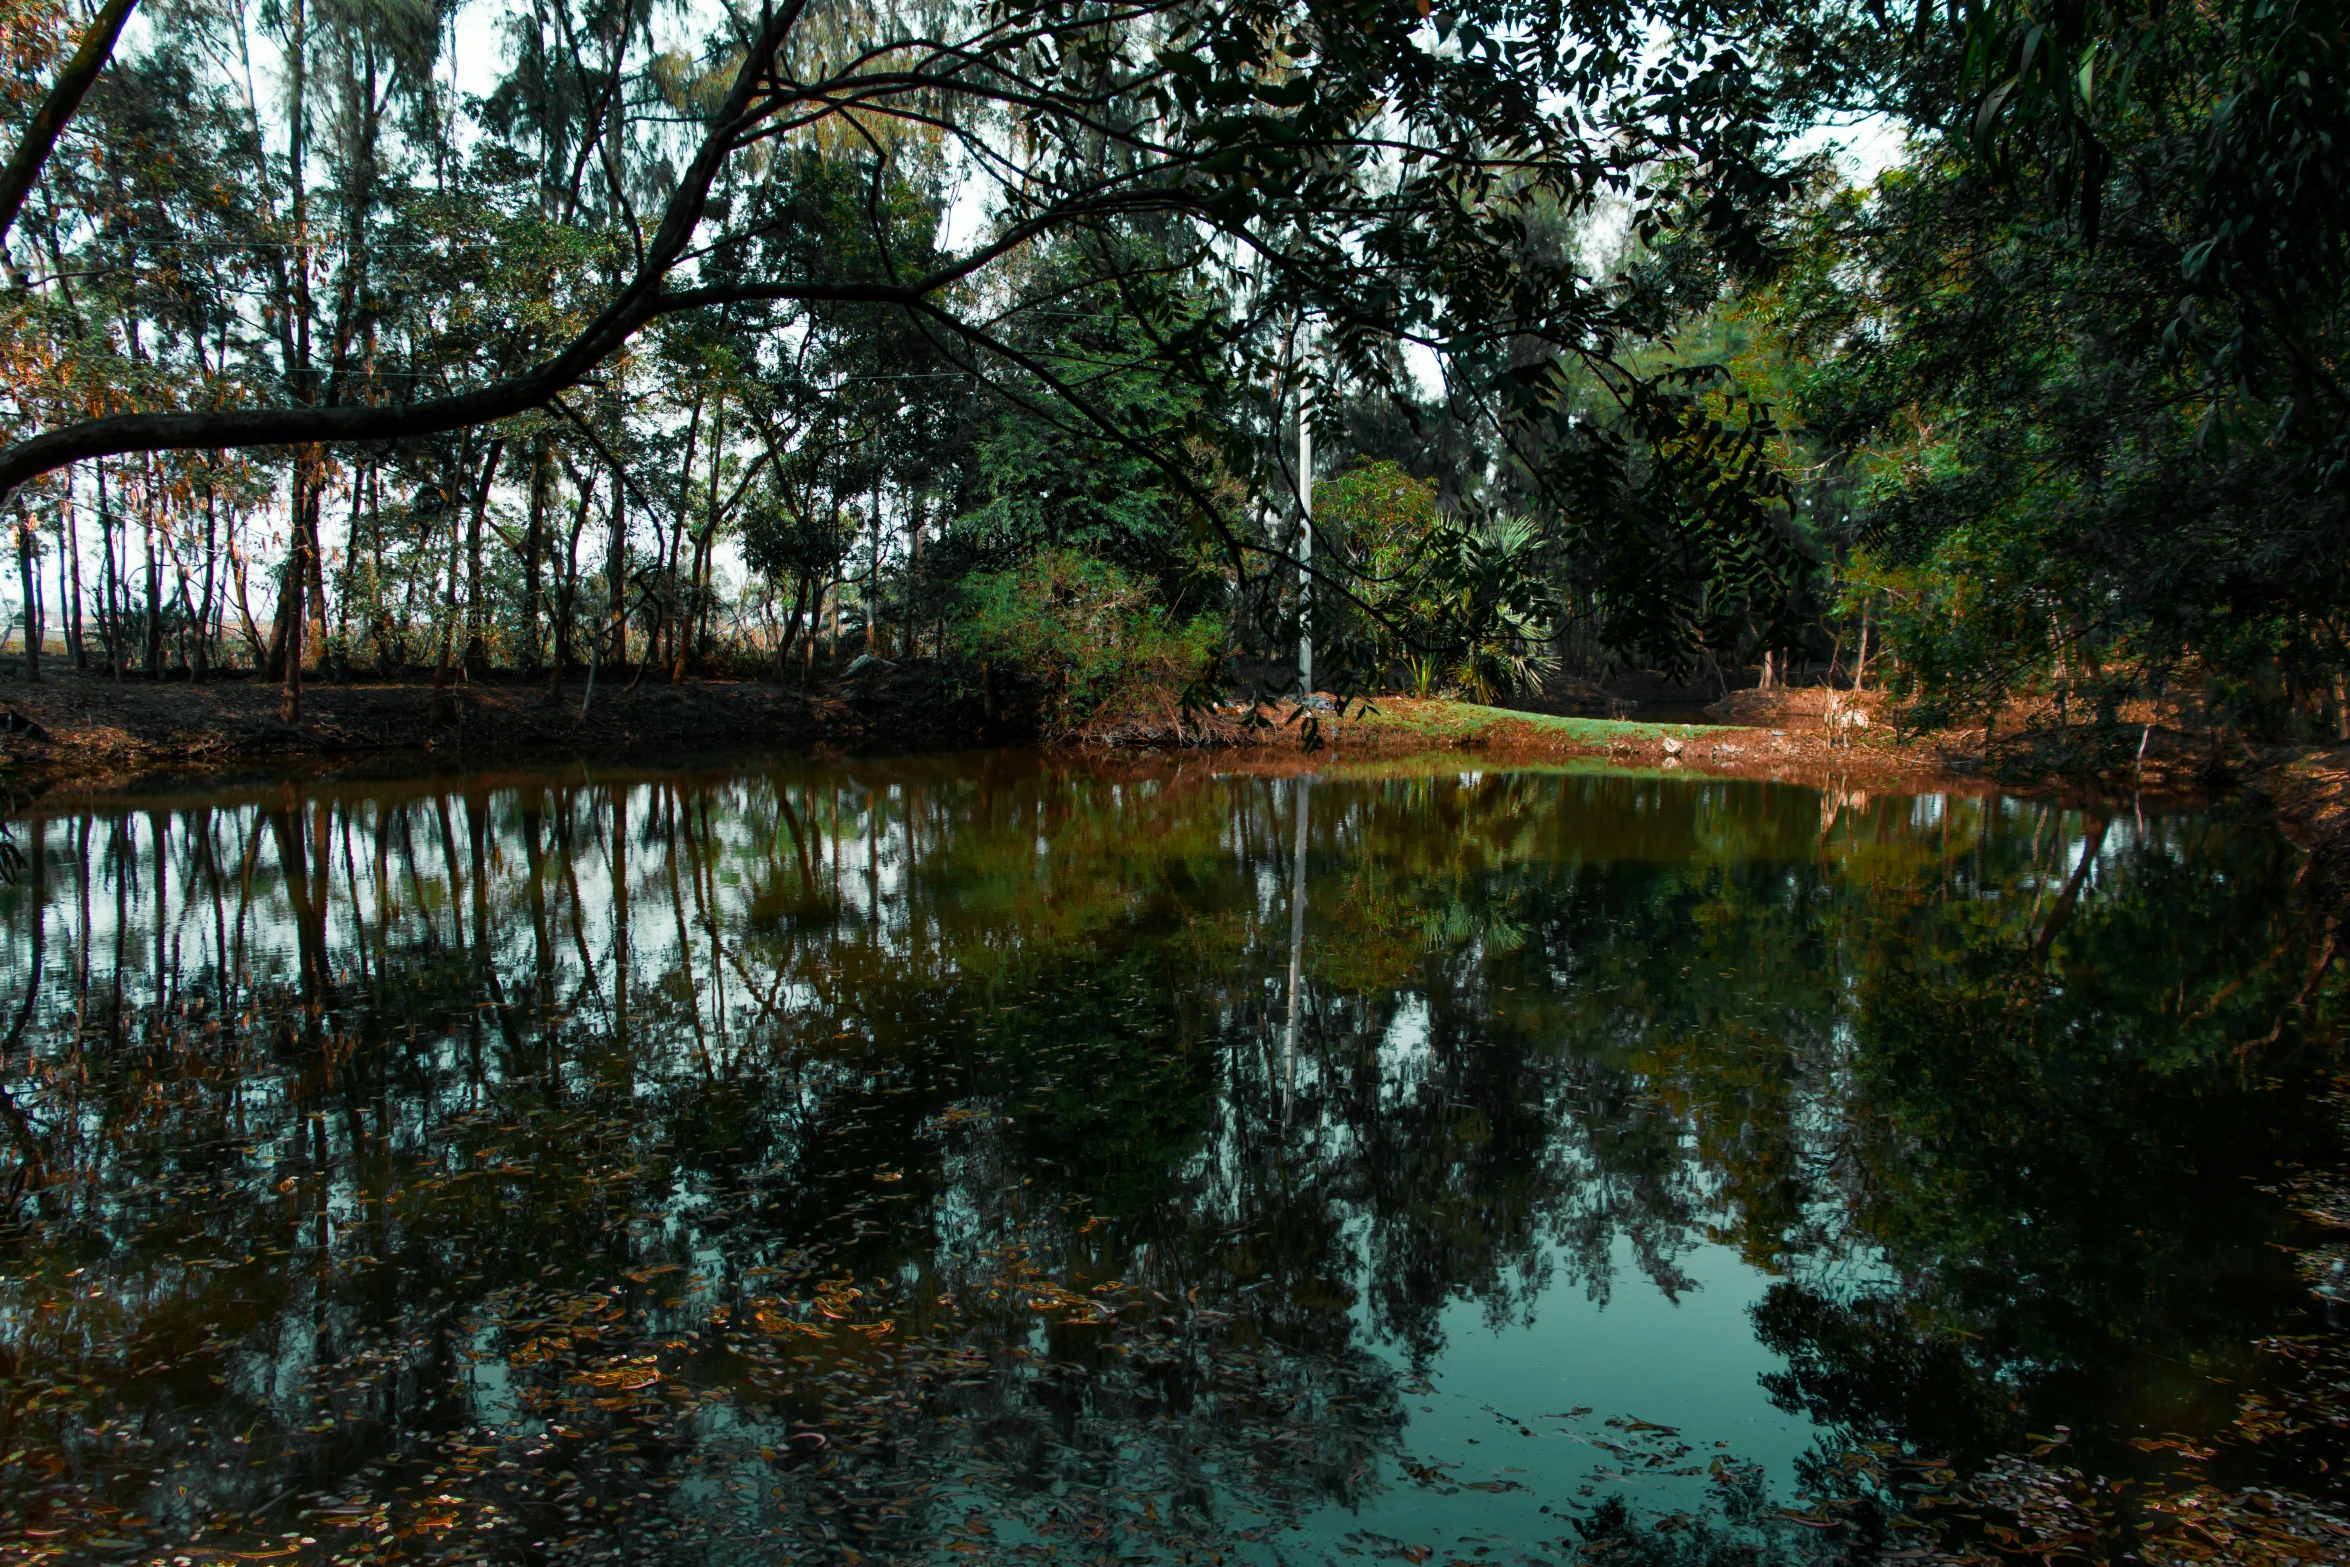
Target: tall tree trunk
column 154, row 579
column 693, row 629
column 567, row 584
column 32, row 598
column 300, row 573
column 315, row 599
column 911, row 647
column 533, row 546
column 390, row 645
column 205, row 628
column 477, row 657
column 186, row 604
column 289, row 619
column 286, row 639
column 674, row 611
column 350, row 571
column 69, row 582
column 446, row 633
column 478, row 509
column 616, row 570
column 108, row 624
column 873, row 581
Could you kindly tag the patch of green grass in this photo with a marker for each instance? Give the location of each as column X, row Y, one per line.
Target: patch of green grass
column 1431, row 764
column 1441, row 720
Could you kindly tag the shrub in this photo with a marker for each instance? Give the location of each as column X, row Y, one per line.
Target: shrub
column 1462, row 605
column 1086, row 635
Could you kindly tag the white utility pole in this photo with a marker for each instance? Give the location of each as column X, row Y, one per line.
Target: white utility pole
column 1305, row 551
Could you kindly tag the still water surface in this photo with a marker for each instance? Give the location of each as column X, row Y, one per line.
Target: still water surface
column 997, row 1158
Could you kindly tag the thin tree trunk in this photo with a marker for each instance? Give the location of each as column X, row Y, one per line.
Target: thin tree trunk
column 911, row 647
column 477, row 658
column 567, row 585
column 351, row 538
column 616, row 569
column 301, row 559
column 390, row 645
column 316, row 561
column 256, row 651
column 107, row 621
column 675, row 550
column 290, row 617
column 32, row 600
column 154, row 579
column 533, row 546
column 459, row 542
column 201, row 671
column 70, row 571
column 181, row 597
column 873, row 582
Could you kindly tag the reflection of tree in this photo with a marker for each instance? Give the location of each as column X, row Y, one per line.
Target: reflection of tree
column 575, row 1141
column 2056, row 1110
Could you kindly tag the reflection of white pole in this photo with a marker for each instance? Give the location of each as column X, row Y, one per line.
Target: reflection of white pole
column 1305, row 552
column 1297, row 940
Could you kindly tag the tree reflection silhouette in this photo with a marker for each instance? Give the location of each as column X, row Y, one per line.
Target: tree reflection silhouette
column 861, row 1158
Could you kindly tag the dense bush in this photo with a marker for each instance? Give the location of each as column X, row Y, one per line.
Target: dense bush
column 1086, row 635
column 1465, row 606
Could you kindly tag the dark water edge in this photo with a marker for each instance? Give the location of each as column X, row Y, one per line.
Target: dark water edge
column 997, row 1156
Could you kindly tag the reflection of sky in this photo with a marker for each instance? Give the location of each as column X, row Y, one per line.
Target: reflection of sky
column 1691, row 1363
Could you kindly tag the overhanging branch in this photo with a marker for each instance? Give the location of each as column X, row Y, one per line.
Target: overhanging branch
column 57, row 110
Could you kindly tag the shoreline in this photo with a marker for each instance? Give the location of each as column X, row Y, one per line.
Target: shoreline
column 2309, row 791
column 88, row 733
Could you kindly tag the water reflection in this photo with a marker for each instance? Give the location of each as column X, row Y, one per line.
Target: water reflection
column 986, row 1157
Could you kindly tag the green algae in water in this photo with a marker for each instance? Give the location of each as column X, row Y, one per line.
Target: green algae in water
column 988, row 1158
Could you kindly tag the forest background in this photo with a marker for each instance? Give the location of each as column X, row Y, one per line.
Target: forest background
column 367, row 338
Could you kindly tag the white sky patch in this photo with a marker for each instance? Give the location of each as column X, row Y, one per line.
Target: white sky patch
column 1865, row 148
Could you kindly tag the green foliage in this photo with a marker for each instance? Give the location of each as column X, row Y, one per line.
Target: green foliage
column 1042, row 480
column 1489, row 586
column 2071, row 364
column 2059, row 401
column 1087, row 635
column 1381, row 515
column 1466, row 605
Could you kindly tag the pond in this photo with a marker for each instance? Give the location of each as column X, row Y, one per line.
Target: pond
column 1014, row 1158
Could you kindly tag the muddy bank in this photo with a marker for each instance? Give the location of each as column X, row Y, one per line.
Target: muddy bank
column 1766, row 742
column 82, row 729
column 2310, row 790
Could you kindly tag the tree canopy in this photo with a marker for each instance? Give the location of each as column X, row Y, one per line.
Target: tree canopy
column 496, row 334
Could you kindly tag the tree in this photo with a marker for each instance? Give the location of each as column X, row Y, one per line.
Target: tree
column 1308, row 172
column 2076, row 359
